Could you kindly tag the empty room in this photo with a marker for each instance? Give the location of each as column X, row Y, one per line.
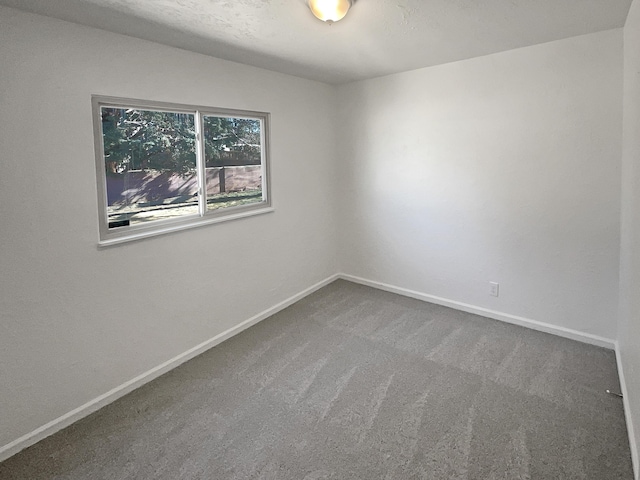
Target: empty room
column 320, row 239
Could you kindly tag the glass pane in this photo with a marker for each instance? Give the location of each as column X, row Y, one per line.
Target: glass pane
column 233, row 161
column 150, row 162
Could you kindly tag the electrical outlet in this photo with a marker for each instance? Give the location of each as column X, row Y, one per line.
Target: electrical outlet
column 494, row 289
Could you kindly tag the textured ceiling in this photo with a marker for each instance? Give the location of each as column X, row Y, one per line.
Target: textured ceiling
column 376, row 38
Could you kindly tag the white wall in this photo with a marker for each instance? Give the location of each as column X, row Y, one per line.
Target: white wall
column 76, row 321
column 629, row 327
column 502, row 168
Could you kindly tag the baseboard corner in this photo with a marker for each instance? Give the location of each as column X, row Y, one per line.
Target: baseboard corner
column 633, row 446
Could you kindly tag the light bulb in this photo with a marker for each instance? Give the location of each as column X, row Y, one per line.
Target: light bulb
column 329, row 10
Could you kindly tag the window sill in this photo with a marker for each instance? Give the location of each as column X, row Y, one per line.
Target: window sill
column 176, row 227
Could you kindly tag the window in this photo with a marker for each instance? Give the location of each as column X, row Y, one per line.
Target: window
column 164, row 167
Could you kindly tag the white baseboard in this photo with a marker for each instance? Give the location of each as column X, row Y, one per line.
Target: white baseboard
column 504, row 317
column 84, row 410
column 627, row 414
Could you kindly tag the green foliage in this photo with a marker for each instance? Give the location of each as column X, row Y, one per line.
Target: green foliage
column 231, row 141
column 149, row 140
column 143, row 139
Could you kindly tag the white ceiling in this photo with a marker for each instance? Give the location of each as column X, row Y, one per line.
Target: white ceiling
column 377, row 37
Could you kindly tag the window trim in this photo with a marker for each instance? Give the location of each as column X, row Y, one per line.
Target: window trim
column 129, row 233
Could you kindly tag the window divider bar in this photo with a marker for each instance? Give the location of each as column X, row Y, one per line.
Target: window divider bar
column 201, row 164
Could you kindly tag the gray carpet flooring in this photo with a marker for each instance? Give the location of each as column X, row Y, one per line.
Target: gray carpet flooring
column 355, row 383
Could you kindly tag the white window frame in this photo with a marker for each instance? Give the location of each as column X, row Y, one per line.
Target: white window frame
column 112, row 236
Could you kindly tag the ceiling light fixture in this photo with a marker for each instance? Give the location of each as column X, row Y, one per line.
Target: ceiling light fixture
column 330, row 10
